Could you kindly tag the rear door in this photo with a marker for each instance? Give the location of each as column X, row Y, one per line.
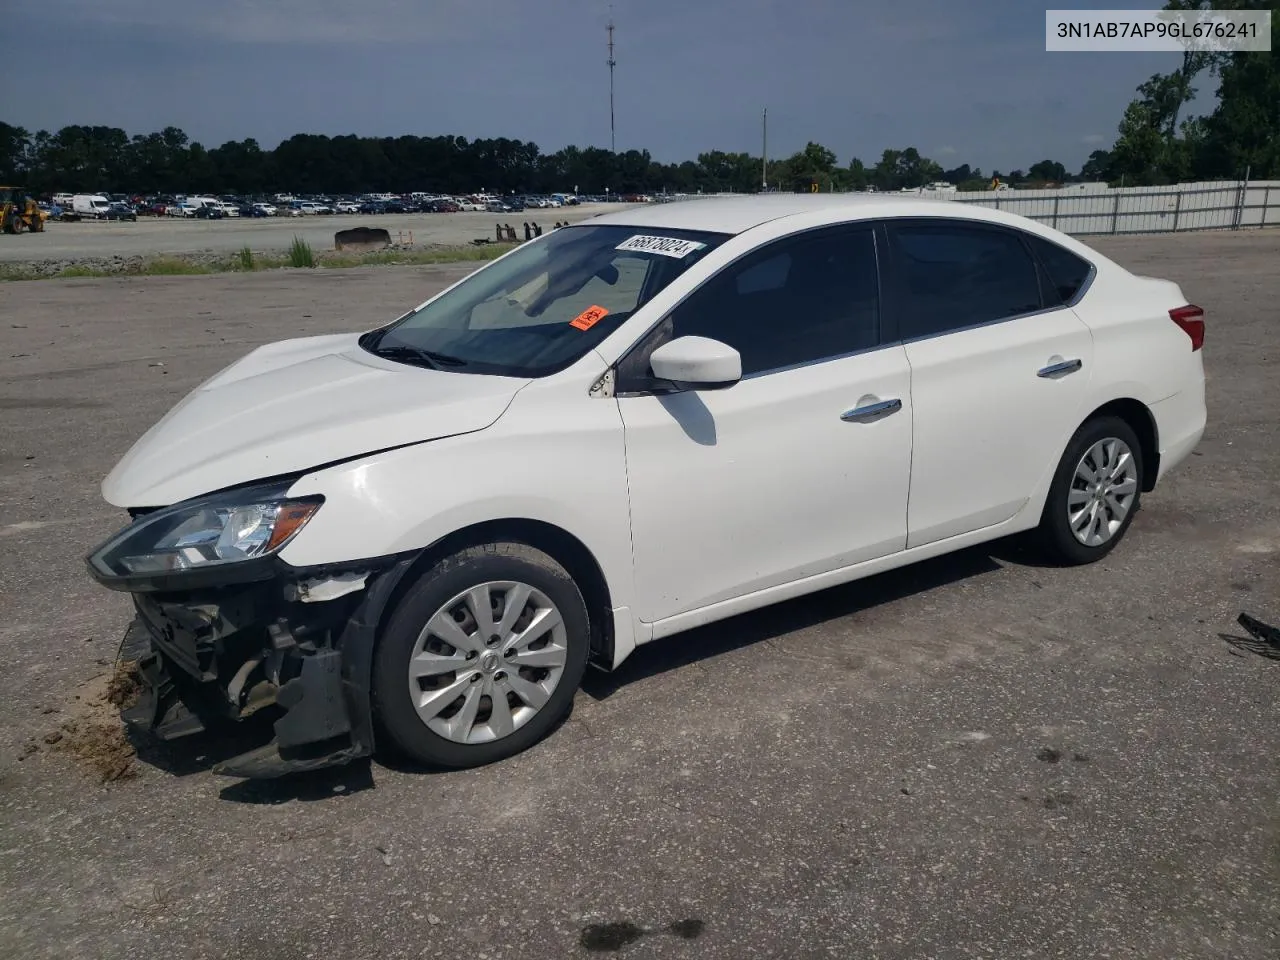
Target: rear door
column 999, row 371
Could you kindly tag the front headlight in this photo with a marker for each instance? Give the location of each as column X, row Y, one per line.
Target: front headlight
column 204, row 534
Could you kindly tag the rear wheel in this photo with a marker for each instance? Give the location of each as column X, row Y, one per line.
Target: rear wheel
column 482, row 657
column 1095, row 492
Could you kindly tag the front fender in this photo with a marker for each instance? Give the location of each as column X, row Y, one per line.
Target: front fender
column 567, row 470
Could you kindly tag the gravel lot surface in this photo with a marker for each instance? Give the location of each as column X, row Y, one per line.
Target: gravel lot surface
column 172, row 235
column 975, row 757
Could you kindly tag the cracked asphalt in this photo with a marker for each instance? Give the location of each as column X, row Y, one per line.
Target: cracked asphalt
column 973, row 757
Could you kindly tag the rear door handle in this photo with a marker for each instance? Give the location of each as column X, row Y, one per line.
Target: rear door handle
column 1063, row 367
column 871, row 411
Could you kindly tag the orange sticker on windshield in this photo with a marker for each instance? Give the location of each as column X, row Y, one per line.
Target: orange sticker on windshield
column 588, row 318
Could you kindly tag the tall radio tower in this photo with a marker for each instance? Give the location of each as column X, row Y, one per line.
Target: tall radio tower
column 613, row 146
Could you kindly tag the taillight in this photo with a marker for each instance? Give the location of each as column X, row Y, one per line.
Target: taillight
column 1191, row 319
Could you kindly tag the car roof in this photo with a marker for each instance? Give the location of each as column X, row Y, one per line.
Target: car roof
column 736, row 214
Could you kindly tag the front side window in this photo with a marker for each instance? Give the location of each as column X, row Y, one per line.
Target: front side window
column 544, row 306
column 799, row 300
column 954, row 275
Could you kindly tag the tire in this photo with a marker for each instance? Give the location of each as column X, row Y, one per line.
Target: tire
column 1105, row 440
column 468, row 729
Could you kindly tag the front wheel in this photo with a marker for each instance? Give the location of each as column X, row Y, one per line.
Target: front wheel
column 1094, row 494
column 482, row 656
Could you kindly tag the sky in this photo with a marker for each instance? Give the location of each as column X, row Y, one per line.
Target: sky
column 963, row 82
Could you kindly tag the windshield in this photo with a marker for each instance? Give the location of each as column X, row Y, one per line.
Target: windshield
column 542, row 307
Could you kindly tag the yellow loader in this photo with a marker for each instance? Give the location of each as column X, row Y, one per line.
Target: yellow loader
column 19, row 212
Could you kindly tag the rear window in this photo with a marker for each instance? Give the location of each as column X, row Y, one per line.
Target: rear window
column 1067, row 272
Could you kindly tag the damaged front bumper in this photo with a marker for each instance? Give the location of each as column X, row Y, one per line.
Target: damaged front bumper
column 300, row 642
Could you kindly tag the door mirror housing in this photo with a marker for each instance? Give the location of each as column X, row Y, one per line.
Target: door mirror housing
column 696, row 363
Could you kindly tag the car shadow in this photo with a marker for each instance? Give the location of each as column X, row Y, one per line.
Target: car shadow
column 776, row 620
column 324, row 784
column 1250, row 645
column 691, row 413
column 200, row 752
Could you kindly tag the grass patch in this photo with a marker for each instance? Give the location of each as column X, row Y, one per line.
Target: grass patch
column 419, row 257
column 301, row 254
column 80, row 272
column 12, row 272
column 171, row 267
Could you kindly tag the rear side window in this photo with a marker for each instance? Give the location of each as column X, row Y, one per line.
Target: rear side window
column 954, row 275
column 1067, row 272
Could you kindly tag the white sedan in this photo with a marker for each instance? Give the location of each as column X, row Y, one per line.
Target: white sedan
column 620, row 430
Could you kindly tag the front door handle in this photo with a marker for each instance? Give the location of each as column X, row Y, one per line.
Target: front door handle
column 1061, row 368
column 871, row 411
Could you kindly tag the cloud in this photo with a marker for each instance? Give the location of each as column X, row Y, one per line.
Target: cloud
column 946, row 151
column 1093, row 138
column 289, row 21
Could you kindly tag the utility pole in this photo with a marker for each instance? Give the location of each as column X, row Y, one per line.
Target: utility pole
column 613, row 144
column 764, row 150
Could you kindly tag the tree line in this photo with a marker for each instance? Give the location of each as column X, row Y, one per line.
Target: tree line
column 1157, row 144
column 1241, row 133
column 78, row 158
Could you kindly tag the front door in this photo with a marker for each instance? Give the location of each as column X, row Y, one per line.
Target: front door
column 800, row 468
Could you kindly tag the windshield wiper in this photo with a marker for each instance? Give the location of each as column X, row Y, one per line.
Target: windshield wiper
column 426, row 358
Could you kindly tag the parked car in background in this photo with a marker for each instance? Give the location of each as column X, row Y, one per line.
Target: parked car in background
column 311, row 208
column 346, row 206
column 263, row 209
column 118, row 210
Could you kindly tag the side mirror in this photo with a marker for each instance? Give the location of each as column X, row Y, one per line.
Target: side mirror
column 697, row 363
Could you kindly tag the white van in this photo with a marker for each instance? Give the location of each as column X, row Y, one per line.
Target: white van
column 90, row 205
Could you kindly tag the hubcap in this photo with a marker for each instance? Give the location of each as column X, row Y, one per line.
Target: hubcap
column 487, row 661
column 1102, row 491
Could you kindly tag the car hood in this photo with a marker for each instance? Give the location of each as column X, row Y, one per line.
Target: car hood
column 294, row 405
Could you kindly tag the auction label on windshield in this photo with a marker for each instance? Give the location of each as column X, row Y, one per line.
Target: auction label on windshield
column 588, row 318
column 666, row 246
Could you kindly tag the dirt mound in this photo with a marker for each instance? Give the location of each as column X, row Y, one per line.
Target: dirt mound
column 101, row 746
column 124, row 685
column 93, row 734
